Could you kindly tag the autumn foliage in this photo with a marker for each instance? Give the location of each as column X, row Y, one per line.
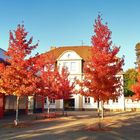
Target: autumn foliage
column 49, row 76
column 101, row 79
column 65, row 87
column 136, row 87
column 55, row 83
column 18, row 77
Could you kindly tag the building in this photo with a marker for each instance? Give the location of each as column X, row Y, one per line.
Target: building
column 2, row 97
column 74, row 58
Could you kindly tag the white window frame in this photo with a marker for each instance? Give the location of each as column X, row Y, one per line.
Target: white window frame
column 87, row 100
column 73, row 66
column 52, row 101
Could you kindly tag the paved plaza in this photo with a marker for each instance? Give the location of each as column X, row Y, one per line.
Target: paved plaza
column 121, row 126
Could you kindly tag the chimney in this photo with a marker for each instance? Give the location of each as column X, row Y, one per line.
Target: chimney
column 52, row 48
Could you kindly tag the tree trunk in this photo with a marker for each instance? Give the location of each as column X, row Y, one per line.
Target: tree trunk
column 98, row 111
column 42, row 104
column 63, row 110
column 102, row 109
column 48, row 107
column 34, row 106
column 98, row 108
column 17, row 106
column 27, row 105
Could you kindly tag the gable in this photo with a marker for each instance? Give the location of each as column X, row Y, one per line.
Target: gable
column 69, row 55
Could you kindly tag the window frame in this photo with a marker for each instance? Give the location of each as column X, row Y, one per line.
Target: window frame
column 73, row 67
column 87, row 100
column 52, row 101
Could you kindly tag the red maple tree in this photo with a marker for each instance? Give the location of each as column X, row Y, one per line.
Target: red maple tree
column 49, row 74
column 18, row 78
column 136, row 87
column 65, row 87
column 55, row 83
column 100, row 72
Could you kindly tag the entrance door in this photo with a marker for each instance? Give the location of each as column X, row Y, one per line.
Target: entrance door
column 1, row 105
column 30, row 104
column 69, row 104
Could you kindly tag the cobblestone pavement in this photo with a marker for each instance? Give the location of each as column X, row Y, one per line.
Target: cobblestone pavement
column 117, row 126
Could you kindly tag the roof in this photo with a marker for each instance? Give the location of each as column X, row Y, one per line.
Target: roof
column 83, row 51
column 2, row 55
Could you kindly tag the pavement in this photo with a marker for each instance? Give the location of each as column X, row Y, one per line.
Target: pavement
column 77, row 125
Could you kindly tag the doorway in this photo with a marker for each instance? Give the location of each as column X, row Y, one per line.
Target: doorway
column 69, row 104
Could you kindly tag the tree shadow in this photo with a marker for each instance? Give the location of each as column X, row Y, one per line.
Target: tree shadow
column 126, row 126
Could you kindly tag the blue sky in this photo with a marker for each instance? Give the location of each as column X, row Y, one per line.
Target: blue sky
column 68, row 22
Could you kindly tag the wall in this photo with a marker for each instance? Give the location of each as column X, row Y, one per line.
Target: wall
column 131, row 104
column 10, row 102
column 90, row 105
column 10, row 105
column 52, row 106
column 69, row 57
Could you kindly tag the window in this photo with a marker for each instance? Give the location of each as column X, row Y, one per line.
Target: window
column 106, row 102
column 45, row 68
column 73, row 66
column 66, row 64
column 115, row 101
column 70, row 65
column 52, row 101
column 49, row 67
column 87, row 100
column 45, row 101
column 68, row 55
